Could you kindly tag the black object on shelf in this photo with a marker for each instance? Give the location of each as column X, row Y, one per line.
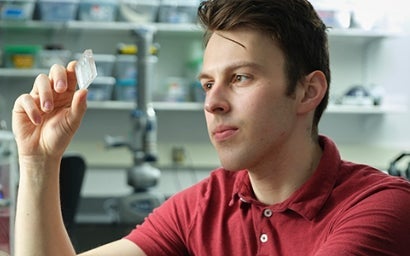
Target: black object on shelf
column 395, row 170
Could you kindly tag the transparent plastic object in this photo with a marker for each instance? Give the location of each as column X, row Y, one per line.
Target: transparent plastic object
column 85, row 69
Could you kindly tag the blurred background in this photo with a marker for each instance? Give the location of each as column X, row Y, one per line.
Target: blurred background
column 368, row 116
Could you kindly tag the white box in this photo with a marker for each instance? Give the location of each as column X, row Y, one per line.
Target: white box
column 98, row 10
column 178, row 11
column 139, row 11
column 54, row 10
column 101, row 89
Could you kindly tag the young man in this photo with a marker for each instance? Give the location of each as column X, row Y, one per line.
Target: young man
column 282, row 188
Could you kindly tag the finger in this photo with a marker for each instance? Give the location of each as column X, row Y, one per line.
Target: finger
column 42, row 89
column 71, row 76
column 58, row 78
column 26, row 104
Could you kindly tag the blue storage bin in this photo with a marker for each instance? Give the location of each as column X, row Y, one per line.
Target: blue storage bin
column 16, row 10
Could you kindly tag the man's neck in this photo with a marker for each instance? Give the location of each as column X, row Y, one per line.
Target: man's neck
column 277, row 183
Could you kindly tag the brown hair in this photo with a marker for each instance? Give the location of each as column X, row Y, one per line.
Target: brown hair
column 293, row 24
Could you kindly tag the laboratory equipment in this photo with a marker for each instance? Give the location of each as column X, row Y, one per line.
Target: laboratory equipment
column 394, row 168
column 143, row 175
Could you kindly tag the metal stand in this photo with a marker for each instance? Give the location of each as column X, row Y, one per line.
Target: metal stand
column 142, row 176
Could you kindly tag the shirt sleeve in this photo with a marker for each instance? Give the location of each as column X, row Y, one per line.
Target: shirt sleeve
column 377, row 225
column 164, row 231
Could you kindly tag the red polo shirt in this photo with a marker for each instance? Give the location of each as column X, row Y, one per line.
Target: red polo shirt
column 343, row 209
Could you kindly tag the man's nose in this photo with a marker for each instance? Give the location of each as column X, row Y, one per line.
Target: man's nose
column 216, row 100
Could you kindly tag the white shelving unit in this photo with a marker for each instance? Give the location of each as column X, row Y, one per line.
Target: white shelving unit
column 29, row 73
column 122, row 105
column 352, row 36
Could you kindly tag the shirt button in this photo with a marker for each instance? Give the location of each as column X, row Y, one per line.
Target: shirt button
column 264, row 238
column 267, row 213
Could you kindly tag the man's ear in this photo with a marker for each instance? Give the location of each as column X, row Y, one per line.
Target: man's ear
column 313, row 89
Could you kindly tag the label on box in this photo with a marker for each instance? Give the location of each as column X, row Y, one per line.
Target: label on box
column 12, row 13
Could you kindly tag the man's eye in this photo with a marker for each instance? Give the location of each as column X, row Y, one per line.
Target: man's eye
column 207, row 86
column 240, row 78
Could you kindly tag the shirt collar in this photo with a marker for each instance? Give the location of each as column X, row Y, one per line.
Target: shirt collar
column 309, row 199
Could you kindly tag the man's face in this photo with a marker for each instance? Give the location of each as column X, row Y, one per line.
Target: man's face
column 249, row 117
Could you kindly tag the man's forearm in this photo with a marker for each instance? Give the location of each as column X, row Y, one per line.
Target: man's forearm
column 39, row 226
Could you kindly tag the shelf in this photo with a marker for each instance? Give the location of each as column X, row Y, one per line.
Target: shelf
column 357, row 36
column 197, row 106
column 360, row 33
column 161, row 106
column 30, row 25
column 369, row 110
column 342, row 35
column 13, row 72
column 161, row 27
column 98, row 26
column 111, row 105
column 179, row 106
column 126, row 26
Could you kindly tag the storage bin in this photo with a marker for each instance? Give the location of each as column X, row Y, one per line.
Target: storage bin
column 125, row 92
column 50, row 57
column 105, row 64
column 334, row 14
column 139, row 11
column 55, row 10
column 126, row 69
column 101, row 89
column 176, row 89
column 126, row 77
column 16, row 10
column 178, row 11
column 98, row 10
column 21, row 56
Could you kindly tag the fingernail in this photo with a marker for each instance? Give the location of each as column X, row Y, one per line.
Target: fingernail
column 48, row 105
column 60, row 85
column 37, row 120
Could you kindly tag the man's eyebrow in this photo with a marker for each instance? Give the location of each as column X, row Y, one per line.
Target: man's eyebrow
column 233, row 66
column 230, row 39
column 203, row 75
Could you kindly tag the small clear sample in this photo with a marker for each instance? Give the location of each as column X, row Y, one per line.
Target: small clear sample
column 85, row 69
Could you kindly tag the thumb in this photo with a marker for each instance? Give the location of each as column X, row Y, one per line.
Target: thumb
column 78, row 107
